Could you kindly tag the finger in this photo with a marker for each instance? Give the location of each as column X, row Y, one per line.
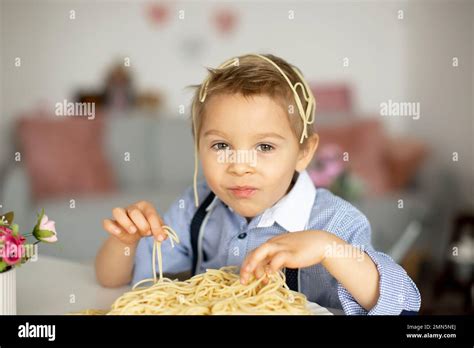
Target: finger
column 264, row 251
column 120, row 233
column 156, row 223
column 279, row 260
column 260, row 270
column 254, row 258
column 154, row 220
column 123, row 220
column 139, row 220
column 112, row 227
column 268, row 272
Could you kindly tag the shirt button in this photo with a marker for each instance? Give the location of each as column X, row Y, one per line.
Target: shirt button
column 242, row 235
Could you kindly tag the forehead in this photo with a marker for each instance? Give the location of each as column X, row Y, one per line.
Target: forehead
column 255, row 112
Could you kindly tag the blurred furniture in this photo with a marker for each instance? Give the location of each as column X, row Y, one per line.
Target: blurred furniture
column 333, row 97
column 160, row 168
column 389, row 170
column 152, row 160
column 64, row 155
column 456, row 276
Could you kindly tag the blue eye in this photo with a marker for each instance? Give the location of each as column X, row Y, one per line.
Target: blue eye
column 265, row 147
column 220, row 146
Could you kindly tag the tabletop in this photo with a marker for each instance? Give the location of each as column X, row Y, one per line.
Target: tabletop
column 52, row 285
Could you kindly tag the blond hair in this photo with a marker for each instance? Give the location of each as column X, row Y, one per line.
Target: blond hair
column 257, row 74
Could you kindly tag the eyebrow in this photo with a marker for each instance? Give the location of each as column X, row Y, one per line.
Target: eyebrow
column 269, row 135
column 258, row 136
column 214, row 132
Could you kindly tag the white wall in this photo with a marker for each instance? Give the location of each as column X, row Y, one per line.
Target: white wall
column 437, row 34
column 59, row 55
column 402, row 60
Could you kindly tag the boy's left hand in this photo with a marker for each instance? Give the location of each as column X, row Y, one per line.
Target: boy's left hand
column 292, row 250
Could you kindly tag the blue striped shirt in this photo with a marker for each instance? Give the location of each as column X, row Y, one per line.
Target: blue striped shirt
column 227, row 238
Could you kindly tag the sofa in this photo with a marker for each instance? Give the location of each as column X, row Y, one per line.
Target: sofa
column 159, row 169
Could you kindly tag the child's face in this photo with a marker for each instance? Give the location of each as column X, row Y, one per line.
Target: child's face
column 261, row 128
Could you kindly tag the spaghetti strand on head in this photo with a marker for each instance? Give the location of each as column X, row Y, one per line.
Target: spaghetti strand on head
column 307, row 112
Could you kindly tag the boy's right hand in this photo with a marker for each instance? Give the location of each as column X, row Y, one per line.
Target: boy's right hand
column 134, row 222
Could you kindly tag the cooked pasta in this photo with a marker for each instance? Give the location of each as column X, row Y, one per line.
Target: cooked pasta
column 213, row 292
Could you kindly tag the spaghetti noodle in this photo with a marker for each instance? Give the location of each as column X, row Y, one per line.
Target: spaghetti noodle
column 213, row 292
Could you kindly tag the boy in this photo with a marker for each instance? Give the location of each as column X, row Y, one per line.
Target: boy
column 265, row 215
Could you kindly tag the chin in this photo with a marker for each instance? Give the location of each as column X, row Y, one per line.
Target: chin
column 243, row 209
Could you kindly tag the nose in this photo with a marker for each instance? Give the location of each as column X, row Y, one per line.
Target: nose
column 240, row 169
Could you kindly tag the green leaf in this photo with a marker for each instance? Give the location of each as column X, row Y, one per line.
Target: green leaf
column 8, row 217
column 14, row 228
column 41, row 234
column 40, row 217
column 3, row 266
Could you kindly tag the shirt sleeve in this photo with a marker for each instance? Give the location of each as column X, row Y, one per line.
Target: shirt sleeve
column 397, row 291
column 179, row 258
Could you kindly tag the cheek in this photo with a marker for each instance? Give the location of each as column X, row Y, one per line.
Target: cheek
column 209, row 161
column 212, row 170
column 277, row 164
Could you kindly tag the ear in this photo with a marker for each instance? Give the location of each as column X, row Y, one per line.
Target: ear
column 307, row 152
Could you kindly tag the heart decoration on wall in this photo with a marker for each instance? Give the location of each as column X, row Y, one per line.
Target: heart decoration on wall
column 225, row 20
column 158, row 13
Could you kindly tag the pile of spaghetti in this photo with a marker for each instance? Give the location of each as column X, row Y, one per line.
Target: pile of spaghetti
column 213, row 292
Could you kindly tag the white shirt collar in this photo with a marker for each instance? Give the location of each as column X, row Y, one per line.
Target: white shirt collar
column 293, row 211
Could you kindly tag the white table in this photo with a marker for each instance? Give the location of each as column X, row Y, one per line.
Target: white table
column 56, row 286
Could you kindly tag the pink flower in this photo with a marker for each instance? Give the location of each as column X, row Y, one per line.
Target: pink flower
column 45, row 230
column 4, row 230
column 12, row 249
column 328, row 166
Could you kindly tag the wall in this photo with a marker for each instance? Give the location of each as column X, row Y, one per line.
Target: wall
column 402, row 60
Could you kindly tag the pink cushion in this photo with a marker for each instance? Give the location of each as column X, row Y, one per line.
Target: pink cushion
column 64, row 156
column 365, row 142
column 332, row 98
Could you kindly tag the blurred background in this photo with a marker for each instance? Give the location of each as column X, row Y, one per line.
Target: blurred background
column 95, row 114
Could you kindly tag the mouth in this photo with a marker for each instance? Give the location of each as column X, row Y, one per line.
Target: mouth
column 243, row 191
